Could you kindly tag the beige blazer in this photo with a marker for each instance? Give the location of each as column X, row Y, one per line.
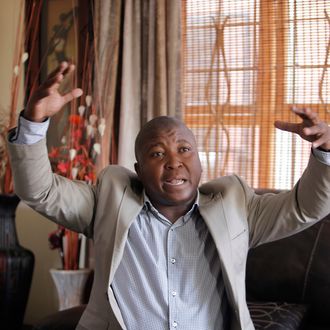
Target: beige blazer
column 236, row 217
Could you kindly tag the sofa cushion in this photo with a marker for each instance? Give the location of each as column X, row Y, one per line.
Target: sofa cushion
column 277, row 316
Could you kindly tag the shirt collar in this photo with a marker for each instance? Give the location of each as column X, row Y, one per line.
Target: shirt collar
column 147, row 205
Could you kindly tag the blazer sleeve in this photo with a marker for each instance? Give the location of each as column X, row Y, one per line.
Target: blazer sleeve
column 67, row 202
column 274, row 216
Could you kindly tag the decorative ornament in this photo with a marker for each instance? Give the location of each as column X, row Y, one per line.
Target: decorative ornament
column 74, row 172
column 25, row 56
column 97, row 148
column 16, row 70
column 92, row 119
column 101, row 129
column 72, row 153
column 88, row 100
column 81, row 110
column 90, row 130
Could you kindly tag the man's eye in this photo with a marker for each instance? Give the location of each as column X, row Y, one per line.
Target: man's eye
column 156, row 154
column 184, row 149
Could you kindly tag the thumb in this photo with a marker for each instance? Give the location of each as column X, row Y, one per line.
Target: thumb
column 75, row 93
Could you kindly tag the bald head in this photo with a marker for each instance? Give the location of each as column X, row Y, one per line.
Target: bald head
column 153, row 127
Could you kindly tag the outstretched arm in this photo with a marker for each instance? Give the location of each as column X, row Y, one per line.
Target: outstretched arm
column 311, row 129
column 69, row 203
column 276, row 216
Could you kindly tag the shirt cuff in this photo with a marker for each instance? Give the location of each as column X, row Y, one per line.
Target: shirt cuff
column 322, row 156
column 28, row 132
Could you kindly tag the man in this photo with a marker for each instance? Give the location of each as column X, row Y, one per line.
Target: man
column 168, row 255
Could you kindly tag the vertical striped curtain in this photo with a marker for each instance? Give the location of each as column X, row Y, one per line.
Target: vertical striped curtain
column 150, row 68
column 147, row 67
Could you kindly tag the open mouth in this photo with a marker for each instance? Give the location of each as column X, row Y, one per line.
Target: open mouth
column 175, row 182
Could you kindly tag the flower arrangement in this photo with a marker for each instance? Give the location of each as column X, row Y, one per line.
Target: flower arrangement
column 78, row 153
column 71, row 248
column 79, row 148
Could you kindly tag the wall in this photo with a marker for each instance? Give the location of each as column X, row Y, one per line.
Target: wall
column 32, row 229
column 8, row 26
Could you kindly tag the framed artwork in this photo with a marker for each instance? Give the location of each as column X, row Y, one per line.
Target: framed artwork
column 60, row 35
column 58, row 43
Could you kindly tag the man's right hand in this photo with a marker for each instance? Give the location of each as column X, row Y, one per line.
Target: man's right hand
column 46, row 101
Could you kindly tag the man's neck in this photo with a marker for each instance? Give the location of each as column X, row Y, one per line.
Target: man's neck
column 173, row 213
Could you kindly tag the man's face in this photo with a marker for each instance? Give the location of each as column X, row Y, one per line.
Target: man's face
column 168, row 166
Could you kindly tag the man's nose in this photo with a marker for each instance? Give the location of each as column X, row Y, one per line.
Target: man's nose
column 173, row 161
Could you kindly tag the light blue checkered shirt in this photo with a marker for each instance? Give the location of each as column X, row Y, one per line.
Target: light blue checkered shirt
column 170, row 276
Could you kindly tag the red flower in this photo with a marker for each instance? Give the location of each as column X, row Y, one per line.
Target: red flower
column 76, row 134
column 90, row 177
column 81, row 159
column 63, row 167
column 54, row 153
column 75, row 119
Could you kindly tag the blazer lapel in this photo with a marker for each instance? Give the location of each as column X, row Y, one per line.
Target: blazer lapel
column 211, row 209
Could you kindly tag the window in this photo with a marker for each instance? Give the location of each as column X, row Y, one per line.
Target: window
column 246, row 63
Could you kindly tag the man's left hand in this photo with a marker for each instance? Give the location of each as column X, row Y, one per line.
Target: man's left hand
column 311, row 129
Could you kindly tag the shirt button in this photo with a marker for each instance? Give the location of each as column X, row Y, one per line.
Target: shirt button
column 173, row 293
column 173, row 260
column 174, row 324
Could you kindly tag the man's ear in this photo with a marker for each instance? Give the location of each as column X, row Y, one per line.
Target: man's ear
column 137, row 168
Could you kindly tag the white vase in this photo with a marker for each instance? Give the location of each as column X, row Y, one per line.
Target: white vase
column 70, row 286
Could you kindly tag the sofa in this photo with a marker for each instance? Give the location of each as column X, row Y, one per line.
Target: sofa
column 287, row 283
column 291, row 277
